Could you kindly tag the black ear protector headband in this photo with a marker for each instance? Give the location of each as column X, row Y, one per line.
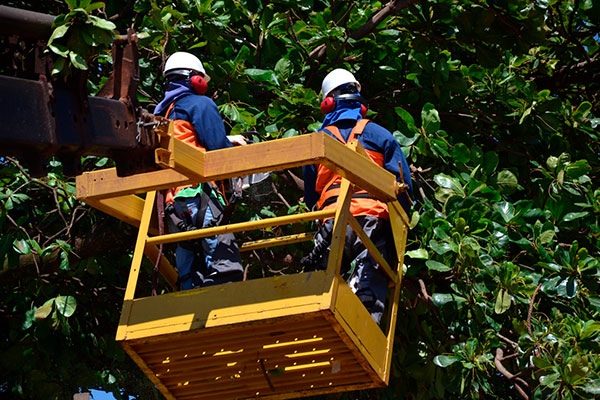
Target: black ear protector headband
column 330, row 103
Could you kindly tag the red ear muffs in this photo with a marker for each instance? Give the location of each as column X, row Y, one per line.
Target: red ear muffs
column 198, row 84
column 330, row 102
column 327, row 105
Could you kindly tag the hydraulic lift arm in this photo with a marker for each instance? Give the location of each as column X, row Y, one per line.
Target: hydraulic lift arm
column 42, row 118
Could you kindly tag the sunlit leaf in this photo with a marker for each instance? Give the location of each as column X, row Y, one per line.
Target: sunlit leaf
column 45, row 310
column 66, row 305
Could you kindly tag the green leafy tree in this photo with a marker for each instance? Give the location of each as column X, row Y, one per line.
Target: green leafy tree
column 496, row 105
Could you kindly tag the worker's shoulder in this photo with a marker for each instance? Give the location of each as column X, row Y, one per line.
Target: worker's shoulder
column 195, row 101
column 375, row 128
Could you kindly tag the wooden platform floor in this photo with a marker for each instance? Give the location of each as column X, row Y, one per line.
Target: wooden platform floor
column 281, row 358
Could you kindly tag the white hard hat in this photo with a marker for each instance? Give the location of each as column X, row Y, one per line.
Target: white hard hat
column 335, row 78
column 182, row 61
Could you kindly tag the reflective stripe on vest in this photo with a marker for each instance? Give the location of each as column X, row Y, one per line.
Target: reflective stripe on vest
column 328, row 183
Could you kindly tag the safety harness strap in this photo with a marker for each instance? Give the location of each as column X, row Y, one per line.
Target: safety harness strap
column 330, row 192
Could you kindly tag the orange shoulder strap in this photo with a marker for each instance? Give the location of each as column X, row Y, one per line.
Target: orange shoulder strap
column 169, row 109
column 336, row 132
column 358, row 128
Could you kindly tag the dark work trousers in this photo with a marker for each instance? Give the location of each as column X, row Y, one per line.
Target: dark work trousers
column 207, row 261
column 367, row 280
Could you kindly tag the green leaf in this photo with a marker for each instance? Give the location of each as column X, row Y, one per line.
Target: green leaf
column 29, row 319
column 45, row 310
column 461, row 153
column 592, row 387
column 594, row 302
column 262, row 75
column 59, row 49
column 102, row 23
column 540, row 362
column 547, row 236
column 439, row 299
column 419, row 254
column 503, row 301
column 576, row 169
column 507, row 182
column 284, row 68
column 437, row 266
column 414, row 219
column 567, row 288
column 94, row 6
column 584, row 108
column 58, row 33
column 590, row 330
column 446, row 181
column 406, row 118
column 574, row 215
column 59, row 64
column 66, row 305
column 444, row 361
column 21, row 246
column 490, row 162
column 64, row 260
column 77, row 61
column 506, row 210
column 430, row 118
column 442, row 247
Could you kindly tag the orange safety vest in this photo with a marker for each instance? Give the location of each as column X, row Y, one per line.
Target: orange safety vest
column 184, row 131
column 328, row 183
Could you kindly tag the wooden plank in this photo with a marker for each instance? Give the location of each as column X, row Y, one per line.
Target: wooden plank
column 267, row 332
column 209, row 364
column 239, row 349
column 277, row 241
column 241, row 226
column 399, row 233
column 261, row 157
column 202, row 372
column 153, row 378
column 227, row 304
column 126, row 208
column 400, row 212
column 360, row 327
column 105, row 183
column 239, row 388
column 360, row 170
column 338, row 237
column 192, row 165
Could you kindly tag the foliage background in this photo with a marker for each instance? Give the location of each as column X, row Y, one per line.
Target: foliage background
column 494, row 102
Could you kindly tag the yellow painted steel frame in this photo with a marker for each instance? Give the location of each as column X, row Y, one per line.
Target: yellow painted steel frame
column 358, row 352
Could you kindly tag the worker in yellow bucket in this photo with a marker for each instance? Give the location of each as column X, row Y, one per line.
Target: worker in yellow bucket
column 212, row 260
column 345, row 111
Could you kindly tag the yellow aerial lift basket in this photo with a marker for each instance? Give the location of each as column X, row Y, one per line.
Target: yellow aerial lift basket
column 278, row 337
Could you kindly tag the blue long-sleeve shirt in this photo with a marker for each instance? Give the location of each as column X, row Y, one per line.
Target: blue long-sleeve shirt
column 204, row 116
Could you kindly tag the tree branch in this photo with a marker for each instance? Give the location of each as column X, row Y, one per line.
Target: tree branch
column 535, row 292
column 390, row 8
column 585, row 72
column 511, row 377
column 377, row 18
